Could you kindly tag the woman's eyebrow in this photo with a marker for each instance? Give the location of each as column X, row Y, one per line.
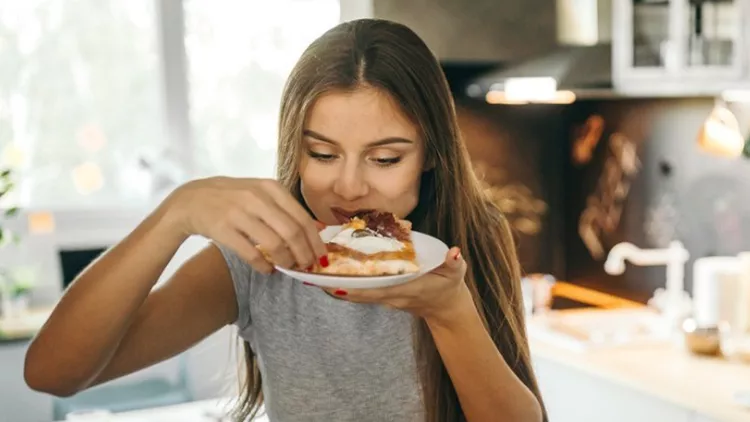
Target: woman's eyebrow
column 377, row 143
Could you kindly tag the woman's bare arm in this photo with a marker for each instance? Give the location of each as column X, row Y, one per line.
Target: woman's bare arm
column 109, row 323
column 194, row 303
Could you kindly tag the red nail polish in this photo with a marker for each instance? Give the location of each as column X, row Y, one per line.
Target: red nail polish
column 309, row 268
column 307, row 284
column 340, row 292
column 324, row 261
column 458, row 255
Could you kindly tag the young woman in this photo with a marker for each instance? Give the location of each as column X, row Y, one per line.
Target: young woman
column 367, row 122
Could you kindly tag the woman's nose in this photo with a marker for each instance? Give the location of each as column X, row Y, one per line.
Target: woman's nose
column 351, row 183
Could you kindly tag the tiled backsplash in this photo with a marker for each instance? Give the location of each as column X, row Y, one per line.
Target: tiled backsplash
column 634, row 174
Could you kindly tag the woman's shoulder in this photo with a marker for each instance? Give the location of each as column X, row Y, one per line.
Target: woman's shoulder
column 247, row 282
column 238, row 267
column 241, row 271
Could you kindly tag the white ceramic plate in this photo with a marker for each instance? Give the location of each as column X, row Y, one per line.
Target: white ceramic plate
column 430, row 255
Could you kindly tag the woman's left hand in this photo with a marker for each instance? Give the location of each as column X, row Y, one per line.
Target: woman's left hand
column 435, row 295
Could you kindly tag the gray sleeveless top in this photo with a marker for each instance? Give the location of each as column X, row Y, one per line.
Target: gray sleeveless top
column 325, row 359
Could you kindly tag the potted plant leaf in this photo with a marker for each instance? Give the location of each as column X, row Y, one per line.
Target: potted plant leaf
column 15, row 288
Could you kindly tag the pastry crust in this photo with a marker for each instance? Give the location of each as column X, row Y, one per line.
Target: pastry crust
column 347, row 257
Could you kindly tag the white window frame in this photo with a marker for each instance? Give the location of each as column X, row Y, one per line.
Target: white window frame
column 170, row 16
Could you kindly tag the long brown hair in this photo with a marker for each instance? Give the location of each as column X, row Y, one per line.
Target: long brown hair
column 452, row 207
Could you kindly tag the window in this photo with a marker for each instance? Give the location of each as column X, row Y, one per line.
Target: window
column 239, row 58
column 79, row 97
column 85, row 113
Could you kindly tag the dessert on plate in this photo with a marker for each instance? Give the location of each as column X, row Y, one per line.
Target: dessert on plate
column 371, row 244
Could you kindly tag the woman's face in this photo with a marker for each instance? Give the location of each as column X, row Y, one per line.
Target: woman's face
column 360, row 152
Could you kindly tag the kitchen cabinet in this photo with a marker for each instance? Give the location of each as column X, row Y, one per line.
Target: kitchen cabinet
column 18, row 403
column 211, row 366
column 571, row 395
column 680, row 47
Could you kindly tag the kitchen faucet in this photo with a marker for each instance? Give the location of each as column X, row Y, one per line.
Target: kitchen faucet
column 674, row 302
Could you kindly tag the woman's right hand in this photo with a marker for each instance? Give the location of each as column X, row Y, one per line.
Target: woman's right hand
column 243, row 214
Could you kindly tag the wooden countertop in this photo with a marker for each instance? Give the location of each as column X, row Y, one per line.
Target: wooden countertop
column 704, row 385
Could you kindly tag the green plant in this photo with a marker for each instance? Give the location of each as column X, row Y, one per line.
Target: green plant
column 6, row 186
column 19, row 287
column 14, row 284
column 10, row 283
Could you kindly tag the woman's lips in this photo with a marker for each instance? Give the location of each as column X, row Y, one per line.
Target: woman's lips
column 343, row 216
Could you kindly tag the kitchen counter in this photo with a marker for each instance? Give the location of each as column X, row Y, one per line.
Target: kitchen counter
column 24, row 327
column 704, row 386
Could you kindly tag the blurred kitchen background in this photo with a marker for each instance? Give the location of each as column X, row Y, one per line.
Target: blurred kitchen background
column 613, row 133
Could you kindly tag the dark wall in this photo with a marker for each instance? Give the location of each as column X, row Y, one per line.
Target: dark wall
column 676, row 192
column 641, row 178
column 517, row 153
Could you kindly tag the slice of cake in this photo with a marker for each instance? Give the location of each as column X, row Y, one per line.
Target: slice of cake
column 371, row 244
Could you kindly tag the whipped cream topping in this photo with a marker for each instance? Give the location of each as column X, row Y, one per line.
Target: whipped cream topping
column 370, row 244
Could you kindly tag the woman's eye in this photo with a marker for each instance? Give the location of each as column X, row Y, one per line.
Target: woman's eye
column 387, row 161
column 320, row 157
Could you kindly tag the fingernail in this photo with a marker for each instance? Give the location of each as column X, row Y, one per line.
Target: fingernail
column 457, row 256
column 307, row 284
column 340, row 292
column 324, row 261
column 310, row 268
